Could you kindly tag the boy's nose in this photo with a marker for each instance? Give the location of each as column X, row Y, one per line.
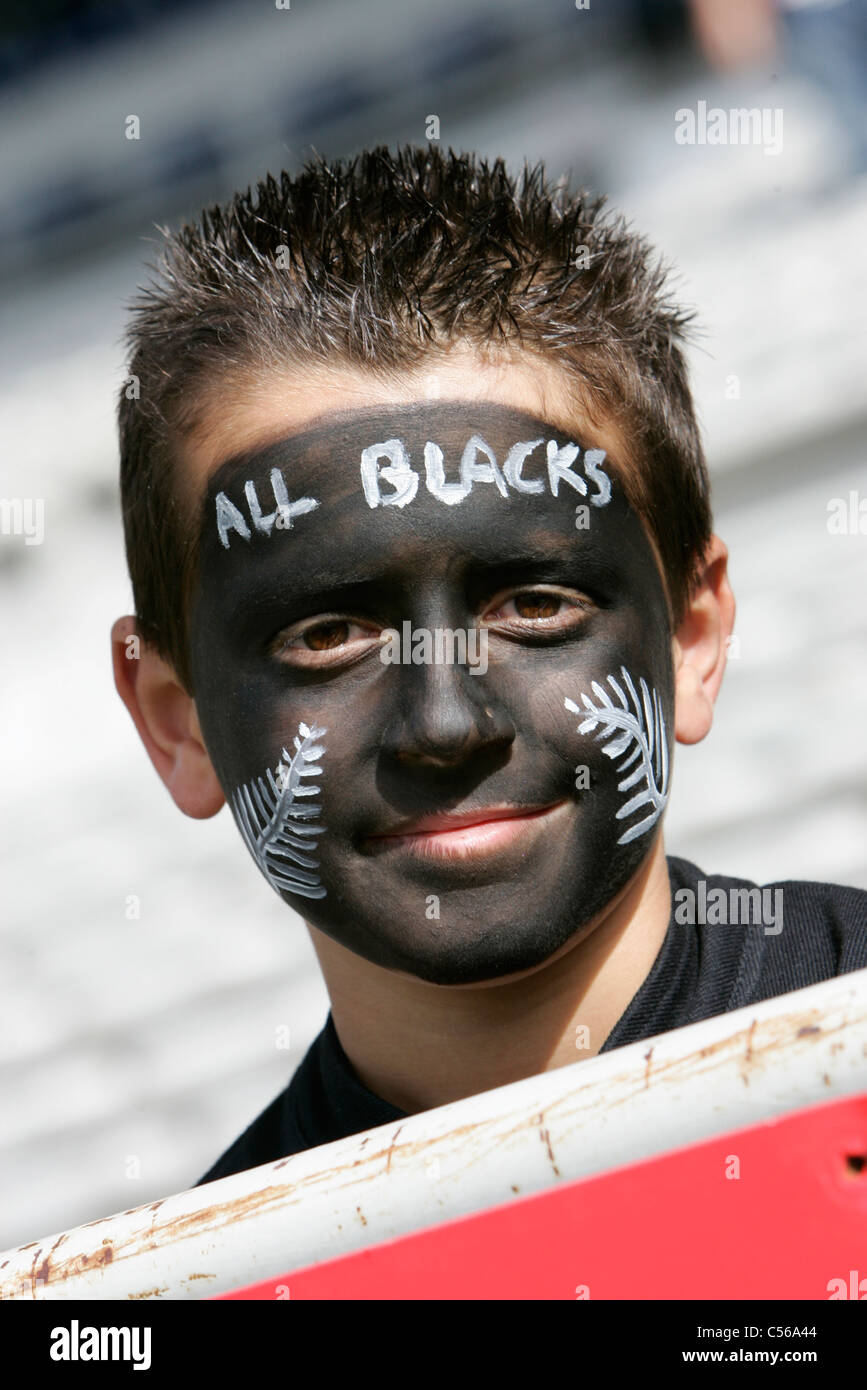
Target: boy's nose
column 443, row 717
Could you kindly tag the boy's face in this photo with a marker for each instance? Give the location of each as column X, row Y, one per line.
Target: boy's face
column 534, row 555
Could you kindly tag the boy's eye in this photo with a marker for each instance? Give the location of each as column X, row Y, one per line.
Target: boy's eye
column 324, row 642
column 539, row 610
column 333, row 640
column 535, row 605
column 325, row 635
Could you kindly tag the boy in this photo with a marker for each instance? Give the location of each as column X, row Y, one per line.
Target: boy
column 419, row 530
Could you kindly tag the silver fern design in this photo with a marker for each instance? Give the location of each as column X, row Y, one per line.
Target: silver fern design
column 642, row 725
column 272, row 818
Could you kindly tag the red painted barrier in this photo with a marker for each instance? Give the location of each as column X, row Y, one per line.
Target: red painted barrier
column 776, row 1210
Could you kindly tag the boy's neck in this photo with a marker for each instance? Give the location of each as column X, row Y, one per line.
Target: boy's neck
column 418, row 1045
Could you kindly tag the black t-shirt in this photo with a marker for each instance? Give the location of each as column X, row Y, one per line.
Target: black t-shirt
column 702, row 969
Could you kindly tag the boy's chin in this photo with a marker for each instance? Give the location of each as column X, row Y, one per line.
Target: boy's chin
column 490, row 934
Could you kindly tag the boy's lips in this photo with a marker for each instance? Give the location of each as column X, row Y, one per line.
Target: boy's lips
column 463, row 833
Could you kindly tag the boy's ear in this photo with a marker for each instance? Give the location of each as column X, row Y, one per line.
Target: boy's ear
column 167, row 722
column 700, row 646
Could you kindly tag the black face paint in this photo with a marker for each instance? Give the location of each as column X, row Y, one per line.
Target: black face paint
column 464, row 517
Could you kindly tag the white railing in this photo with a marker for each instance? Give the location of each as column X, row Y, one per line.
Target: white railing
column 679, row 1088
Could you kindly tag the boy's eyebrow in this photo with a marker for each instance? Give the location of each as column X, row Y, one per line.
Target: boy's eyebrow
column 330, row 595
column 337, row 589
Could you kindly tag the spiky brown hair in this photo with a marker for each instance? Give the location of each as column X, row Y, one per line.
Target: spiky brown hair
column 378, row 262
